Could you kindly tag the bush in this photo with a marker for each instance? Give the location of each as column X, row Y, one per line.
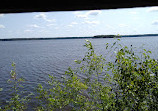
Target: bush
column 130, row 83
column 16, row 102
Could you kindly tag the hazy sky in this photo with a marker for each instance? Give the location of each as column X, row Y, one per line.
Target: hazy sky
column 79, row 23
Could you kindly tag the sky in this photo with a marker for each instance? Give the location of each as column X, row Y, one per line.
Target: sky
column 79, row 23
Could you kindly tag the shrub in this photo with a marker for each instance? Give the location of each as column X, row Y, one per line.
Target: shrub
column 130, row 83
column 16, row 102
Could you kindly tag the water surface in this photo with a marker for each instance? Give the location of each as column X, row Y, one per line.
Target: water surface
column 36, row 59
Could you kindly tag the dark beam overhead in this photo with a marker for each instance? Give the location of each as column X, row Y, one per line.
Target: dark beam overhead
column 16, row 6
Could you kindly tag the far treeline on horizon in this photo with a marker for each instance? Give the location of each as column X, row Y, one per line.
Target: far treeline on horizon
column 93, row 37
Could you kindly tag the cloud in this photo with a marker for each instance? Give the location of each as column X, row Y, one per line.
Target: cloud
column 49, row 25
column 2, row 26
column 82, row 16
column 1, row 15
column 27, row 30
column 92, row 22
column 72, row 24
column 155, row 22
column 94, row 12
column 89, row 13
column 41, row 15
column 33, row 26
column 153, row 9
column 44, row 17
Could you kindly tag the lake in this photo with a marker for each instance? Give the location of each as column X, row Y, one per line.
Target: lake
column 36, row 59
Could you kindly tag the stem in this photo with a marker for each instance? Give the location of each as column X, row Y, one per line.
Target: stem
column 15, row 88
column 100, row 91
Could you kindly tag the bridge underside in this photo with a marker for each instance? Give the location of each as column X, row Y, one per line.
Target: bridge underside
column 16, row 6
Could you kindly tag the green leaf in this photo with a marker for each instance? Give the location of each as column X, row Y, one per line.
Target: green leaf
column 149, row 52
column 77, row 61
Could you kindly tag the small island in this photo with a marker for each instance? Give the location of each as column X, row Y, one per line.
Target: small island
column 107, row 36
column 119, row 36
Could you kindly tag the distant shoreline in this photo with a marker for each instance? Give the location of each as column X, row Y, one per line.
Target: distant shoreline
column 93, row 37
column 19, row 39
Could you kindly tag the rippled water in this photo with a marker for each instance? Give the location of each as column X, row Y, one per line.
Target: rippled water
column 36, row 59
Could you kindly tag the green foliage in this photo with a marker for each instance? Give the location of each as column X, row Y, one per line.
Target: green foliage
column 77, row 94
column 129, row 83
column 16, row 102
column 136, row 80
